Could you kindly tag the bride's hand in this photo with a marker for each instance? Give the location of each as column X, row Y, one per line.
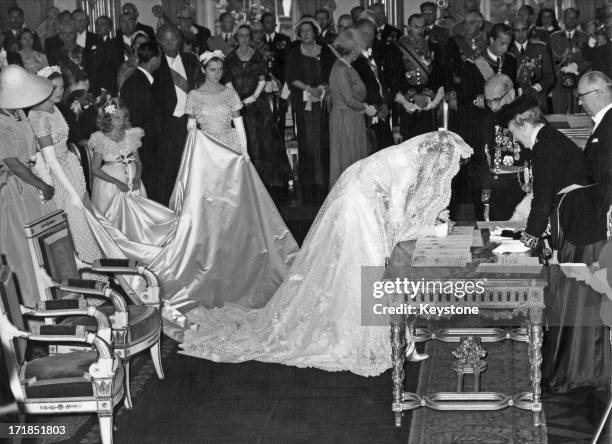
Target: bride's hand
column 136, row 184
column 443, row 217
column 123, row 187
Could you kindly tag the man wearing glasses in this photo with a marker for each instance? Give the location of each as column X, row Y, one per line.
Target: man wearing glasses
column 594, row 93
column 493, row 172
column 535, row 75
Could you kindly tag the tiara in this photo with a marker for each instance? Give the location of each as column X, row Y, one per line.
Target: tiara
column 206, row 56
column 48, row 70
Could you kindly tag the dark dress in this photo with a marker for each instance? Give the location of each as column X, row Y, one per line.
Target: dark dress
column 308, row 70
column 263, row 138
column 575, row 347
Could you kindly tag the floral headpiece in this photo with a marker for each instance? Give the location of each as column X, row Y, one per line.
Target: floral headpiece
column 48, row 70
column 206, row 56
column 110, row 108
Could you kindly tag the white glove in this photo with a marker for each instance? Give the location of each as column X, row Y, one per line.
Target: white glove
column 192, row 124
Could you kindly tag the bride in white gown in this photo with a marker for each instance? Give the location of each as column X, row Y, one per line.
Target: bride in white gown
column 313, row 319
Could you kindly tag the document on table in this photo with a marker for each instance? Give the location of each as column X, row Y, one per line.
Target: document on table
column 501, row 225
column 509, row 268
column 449, row 251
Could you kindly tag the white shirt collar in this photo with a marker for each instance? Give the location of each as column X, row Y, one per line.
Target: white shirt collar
column 271, row 36
column 493, row 56
column 520, row 45
column 534, row 135
column 173, row 59
column 597, row 118
column 147, row 74
column 570, row 34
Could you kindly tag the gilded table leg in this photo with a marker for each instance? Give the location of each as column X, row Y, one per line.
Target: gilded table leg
column 397, row 357
column 535, row 348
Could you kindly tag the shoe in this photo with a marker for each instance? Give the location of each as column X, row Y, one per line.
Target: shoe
column 413, row 356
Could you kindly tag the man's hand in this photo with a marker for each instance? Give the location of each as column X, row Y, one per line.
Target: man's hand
column 48, row 191
column 479, row 101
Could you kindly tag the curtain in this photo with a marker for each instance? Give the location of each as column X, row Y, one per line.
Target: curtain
column 97, row 8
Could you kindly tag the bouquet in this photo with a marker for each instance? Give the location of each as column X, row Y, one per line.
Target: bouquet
column 129, row 164
column 568, row 75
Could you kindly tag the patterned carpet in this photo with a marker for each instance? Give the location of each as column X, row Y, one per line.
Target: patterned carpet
column 508, row 372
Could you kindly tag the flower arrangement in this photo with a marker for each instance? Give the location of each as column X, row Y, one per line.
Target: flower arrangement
column 129, row 164
column 110, row 109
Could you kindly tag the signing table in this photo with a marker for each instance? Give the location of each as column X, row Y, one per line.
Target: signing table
column 513, row 294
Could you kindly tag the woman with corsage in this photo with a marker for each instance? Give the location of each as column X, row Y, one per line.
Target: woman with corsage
column 576, row 351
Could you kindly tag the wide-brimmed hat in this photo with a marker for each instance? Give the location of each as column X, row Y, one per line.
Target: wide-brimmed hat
column 310, row 20
column 20, row 89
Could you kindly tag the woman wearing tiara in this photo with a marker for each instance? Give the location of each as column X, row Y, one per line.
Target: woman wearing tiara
column 315, row 317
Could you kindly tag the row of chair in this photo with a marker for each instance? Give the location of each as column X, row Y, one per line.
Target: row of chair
column 73, row 378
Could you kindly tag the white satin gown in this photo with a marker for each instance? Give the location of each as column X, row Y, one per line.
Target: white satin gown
column 314, row 319
column 221, row 241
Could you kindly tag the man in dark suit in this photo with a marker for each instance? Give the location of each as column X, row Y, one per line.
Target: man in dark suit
column 468, row 6
column 327, row 35
column 595, row 95
column 85, row 39
column 535, row 74
column 52, row 43
column 368, row 71
column 385, row 33
column 109, row 56
column 13, row 35
column 186, row 24
column 599, row 54
column 279, row 43
column 138, row 94
column 130, row 8
column 225, row 40
column 178, row 74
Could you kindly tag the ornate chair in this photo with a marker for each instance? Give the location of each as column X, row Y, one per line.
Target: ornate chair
column 90, row 381
column 135, row 328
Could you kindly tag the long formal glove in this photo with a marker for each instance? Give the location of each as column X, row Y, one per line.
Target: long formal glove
column 49, row 155
column 239, row 125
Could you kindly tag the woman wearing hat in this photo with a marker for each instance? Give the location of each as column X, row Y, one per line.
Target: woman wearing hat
column 20, row 189
column 575, row 347
column 306, row 82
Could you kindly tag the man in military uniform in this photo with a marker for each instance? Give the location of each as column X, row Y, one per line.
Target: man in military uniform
column 463, row 47
column 566, row 46
column 279, row 43
column 526, row 12
column 436, row 34
column 423, row 76
column 535, row 75
column 469, row 6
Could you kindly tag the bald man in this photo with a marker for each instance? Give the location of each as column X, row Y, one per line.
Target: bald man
column 130, row 8
column 505, row 192
column 178, row 74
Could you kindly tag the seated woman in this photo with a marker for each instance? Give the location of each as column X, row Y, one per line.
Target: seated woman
column 116, row 164
column 575, row 348
column 314, row 318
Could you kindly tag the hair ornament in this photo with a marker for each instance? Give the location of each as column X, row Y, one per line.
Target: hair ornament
column 207, row 55
column 48, row 70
